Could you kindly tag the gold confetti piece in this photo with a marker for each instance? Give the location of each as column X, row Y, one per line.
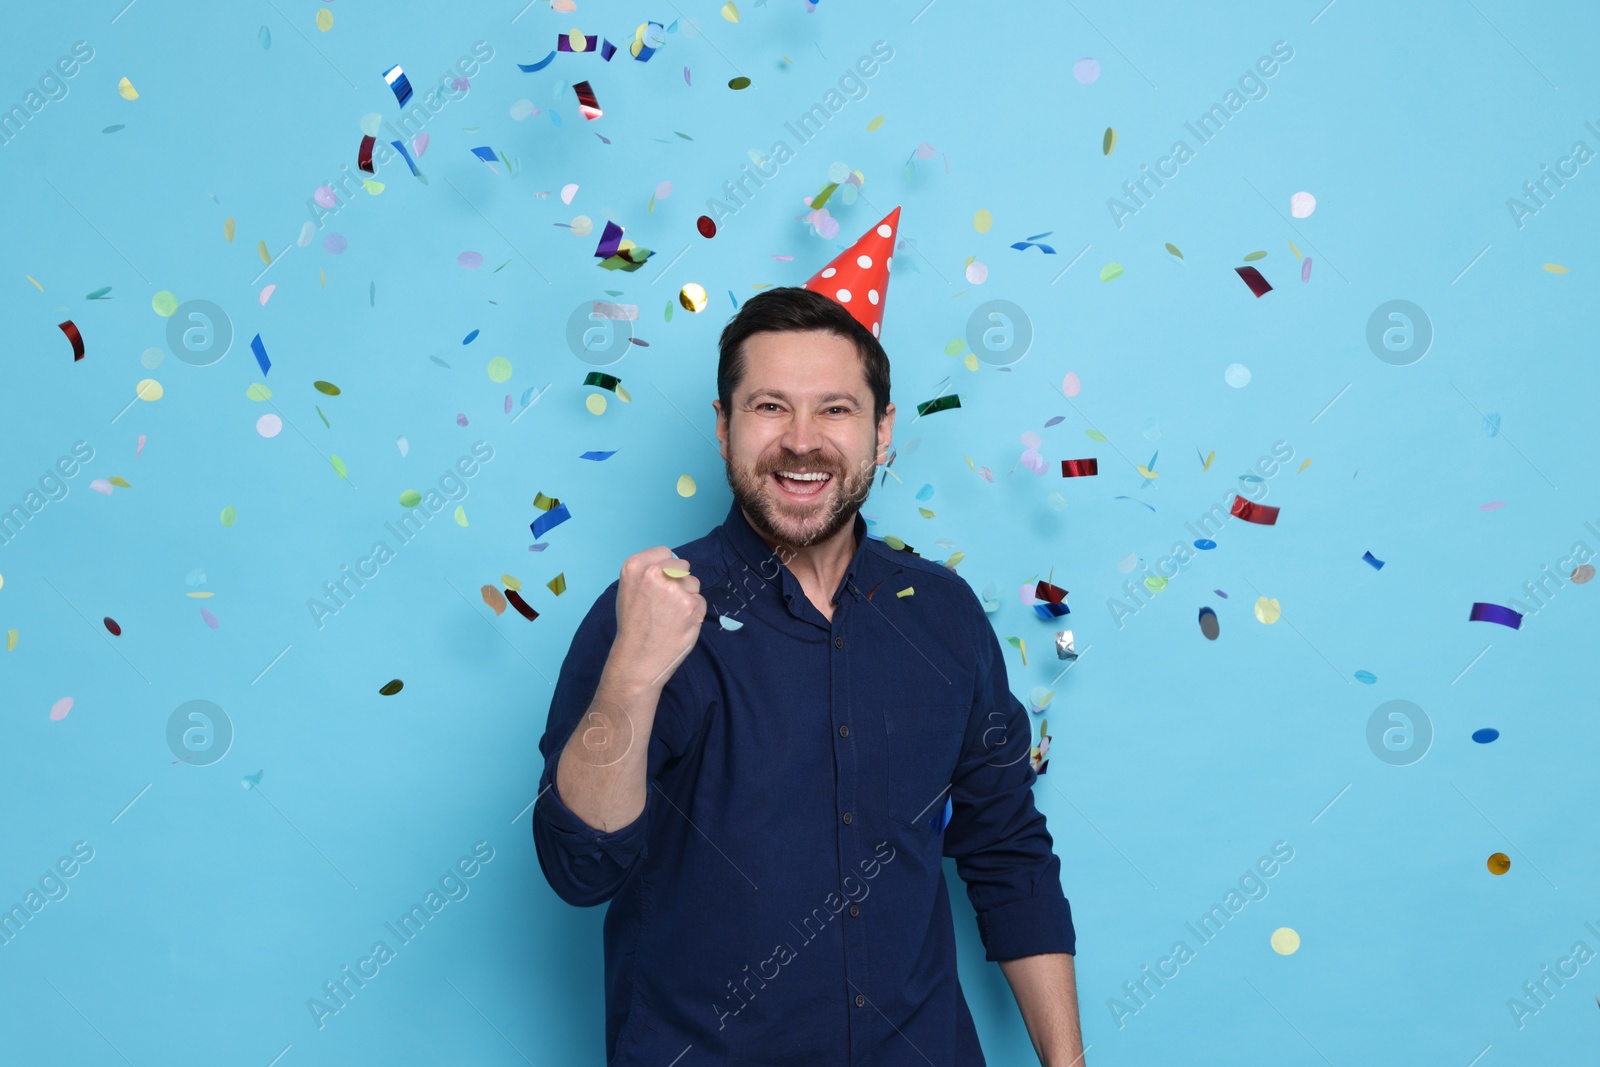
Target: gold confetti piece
column 1253, row 256
column 1020, row 645
column 596, row 403
column 148, row 389
column 227, row 229
column 1499, row 863
column 229, row 515
column 338, row 466
column 693, row 297
column 261, row 250
column 686, row 486
column 11, row 640
column 36, row 285
column 1295, row 250
column 674, row 572
column 730, row 12
column 925, row 513
column 970, row 361
column 1268, row 611
column 1209, row 458
column 126, row 90
column 324, row 20
column 324, row 276
column 326, row 387
column 876, row 123
column 2, row 581
column 1285, row 940
column 955, row 557
column 558, row 584
column 907, row 591
column 120, row 482
column 1555, row 268
column 1109, row 141
column 1304, row 465
column 511, row 581
column 257, row 391
column 494, row 598
column 1145, row 471
column 202, row 595
column 1174, row 250
column 391, row 688
column 461, row 515
column 623, row 395
column 982, row 221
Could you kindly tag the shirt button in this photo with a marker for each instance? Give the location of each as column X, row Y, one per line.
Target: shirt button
column 860, row 1000
column 844, row 731
column 855, row 909
column 847, row 818
column 838, row 642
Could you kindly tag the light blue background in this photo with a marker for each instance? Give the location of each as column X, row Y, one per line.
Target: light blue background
column 211, row 913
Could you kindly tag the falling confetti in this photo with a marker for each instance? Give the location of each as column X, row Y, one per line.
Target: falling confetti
column 1499, row 863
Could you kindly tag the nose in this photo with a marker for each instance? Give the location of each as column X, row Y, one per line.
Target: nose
column 801, row 437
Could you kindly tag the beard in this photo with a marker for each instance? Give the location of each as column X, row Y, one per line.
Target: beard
column 801, row 524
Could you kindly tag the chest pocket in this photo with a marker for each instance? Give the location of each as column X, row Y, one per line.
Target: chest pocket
column 924, row 743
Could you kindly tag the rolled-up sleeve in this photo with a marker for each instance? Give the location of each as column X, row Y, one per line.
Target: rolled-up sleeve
column 586, row 866
column 996, row 834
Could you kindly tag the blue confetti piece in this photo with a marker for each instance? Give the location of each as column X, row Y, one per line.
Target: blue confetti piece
column 734, row 299
column 1366, row 677
column 552, row 518
column 399, row 83
column 598, row 456
column 925, row 492
column 1377, row 564
column 471, row 337
column 1140, row 502
column 400, row 145
column 1047, row 611
column 441, row 362
column 484, row 153
column 1485, row 735
column 1205, row 544
column 941, row 818
column 261, row 353
column 533, row 68
column 555, row 116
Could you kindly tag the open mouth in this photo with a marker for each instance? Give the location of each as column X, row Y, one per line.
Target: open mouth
column 799, row 488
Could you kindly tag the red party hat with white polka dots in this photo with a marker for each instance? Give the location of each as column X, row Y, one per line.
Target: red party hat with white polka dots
column 858, row 277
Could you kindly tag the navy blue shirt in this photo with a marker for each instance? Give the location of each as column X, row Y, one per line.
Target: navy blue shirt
column 781, row 899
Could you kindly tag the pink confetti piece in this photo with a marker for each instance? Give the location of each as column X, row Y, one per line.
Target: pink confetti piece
column 140, row 448
column 419, row 145
column 211, row 620
column 325, row 197
column 266, row 294
column 461, row 420
column 59, row 709
column 784, row 259
column 470, row 260
column 1070, row 384
column 100, row 485
column 1491, row 505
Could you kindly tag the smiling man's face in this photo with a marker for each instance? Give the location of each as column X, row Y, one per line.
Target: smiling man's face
column 804, row 405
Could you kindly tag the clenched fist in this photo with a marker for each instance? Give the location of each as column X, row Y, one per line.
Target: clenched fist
column 658, row 618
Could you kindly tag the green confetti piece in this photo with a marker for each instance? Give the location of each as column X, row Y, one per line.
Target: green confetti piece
column 1174, row 250
column 941, row 403
column 323, row 417
column 410, row 498
column 1110, row 272
column 603, row 381
column 257, row 391
column 338, row 466
column 956, row 347
column 229, row 515
column 1095, row 435
column 1253, row 256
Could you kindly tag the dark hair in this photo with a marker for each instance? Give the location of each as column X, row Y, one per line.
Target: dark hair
column 790, row 308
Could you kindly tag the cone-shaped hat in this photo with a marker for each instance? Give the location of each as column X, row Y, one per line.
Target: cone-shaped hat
column 858, row 278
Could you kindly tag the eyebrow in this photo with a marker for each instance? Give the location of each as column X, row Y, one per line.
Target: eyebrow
column 823, row 399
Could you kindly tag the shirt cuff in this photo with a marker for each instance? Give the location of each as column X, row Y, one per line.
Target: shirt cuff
column 583, row 841
column 1027, row 928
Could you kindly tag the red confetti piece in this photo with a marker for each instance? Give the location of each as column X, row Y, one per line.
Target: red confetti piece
column 111, row 624
column 586, row 101
column 1053, row 593
column 1252, row 277
column 364, row 157
column 70, row 328
column 1261, row 514
column 706, row 225
column 521, row 605
column 1080, row 468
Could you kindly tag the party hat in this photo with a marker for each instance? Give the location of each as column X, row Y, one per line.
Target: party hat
column 858, row 277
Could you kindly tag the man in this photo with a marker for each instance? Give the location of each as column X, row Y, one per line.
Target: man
column 762, row 780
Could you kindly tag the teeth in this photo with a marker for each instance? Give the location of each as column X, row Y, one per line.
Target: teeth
column 806, row 477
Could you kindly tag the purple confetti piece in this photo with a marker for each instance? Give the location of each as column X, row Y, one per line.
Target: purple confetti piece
column 1482, row 612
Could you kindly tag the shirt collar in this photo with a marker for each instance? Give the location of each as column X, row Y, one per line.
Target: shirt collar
column 759, row 557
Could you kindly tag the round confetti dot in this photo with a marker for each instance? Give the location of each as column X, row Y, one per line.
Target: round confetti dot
column 1499, row 863
column 1237, row 375
column 706, row 225
column 1285, row 941
column 977, row 272
column 258, row 392
column 685, row 485
column 582, row 226
column 982, row 220
column 371, row 123
column 1582, row 575
column 1268, row 611
column 1301, row 205
column 59, row 709
column 269, row 425
column 843, row 296
column 410, row 498
column 470, row 260
column 1155, row 583
column 693, row 297
column 595, row 403
column 1086, row 70
column 148, row 389
column 1485, row 735
column 499, row 369
column 324, row 20
column 740, row 82
column 152, row 357
column 838, row 172
column 164, row 303
column 1070, row 384
column 334, row 243
column 230, row 515
column 1110, row 272
column 325, row 196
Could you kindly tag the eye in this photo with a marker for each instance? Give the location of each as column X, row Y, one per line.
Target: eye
column 766, row 404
